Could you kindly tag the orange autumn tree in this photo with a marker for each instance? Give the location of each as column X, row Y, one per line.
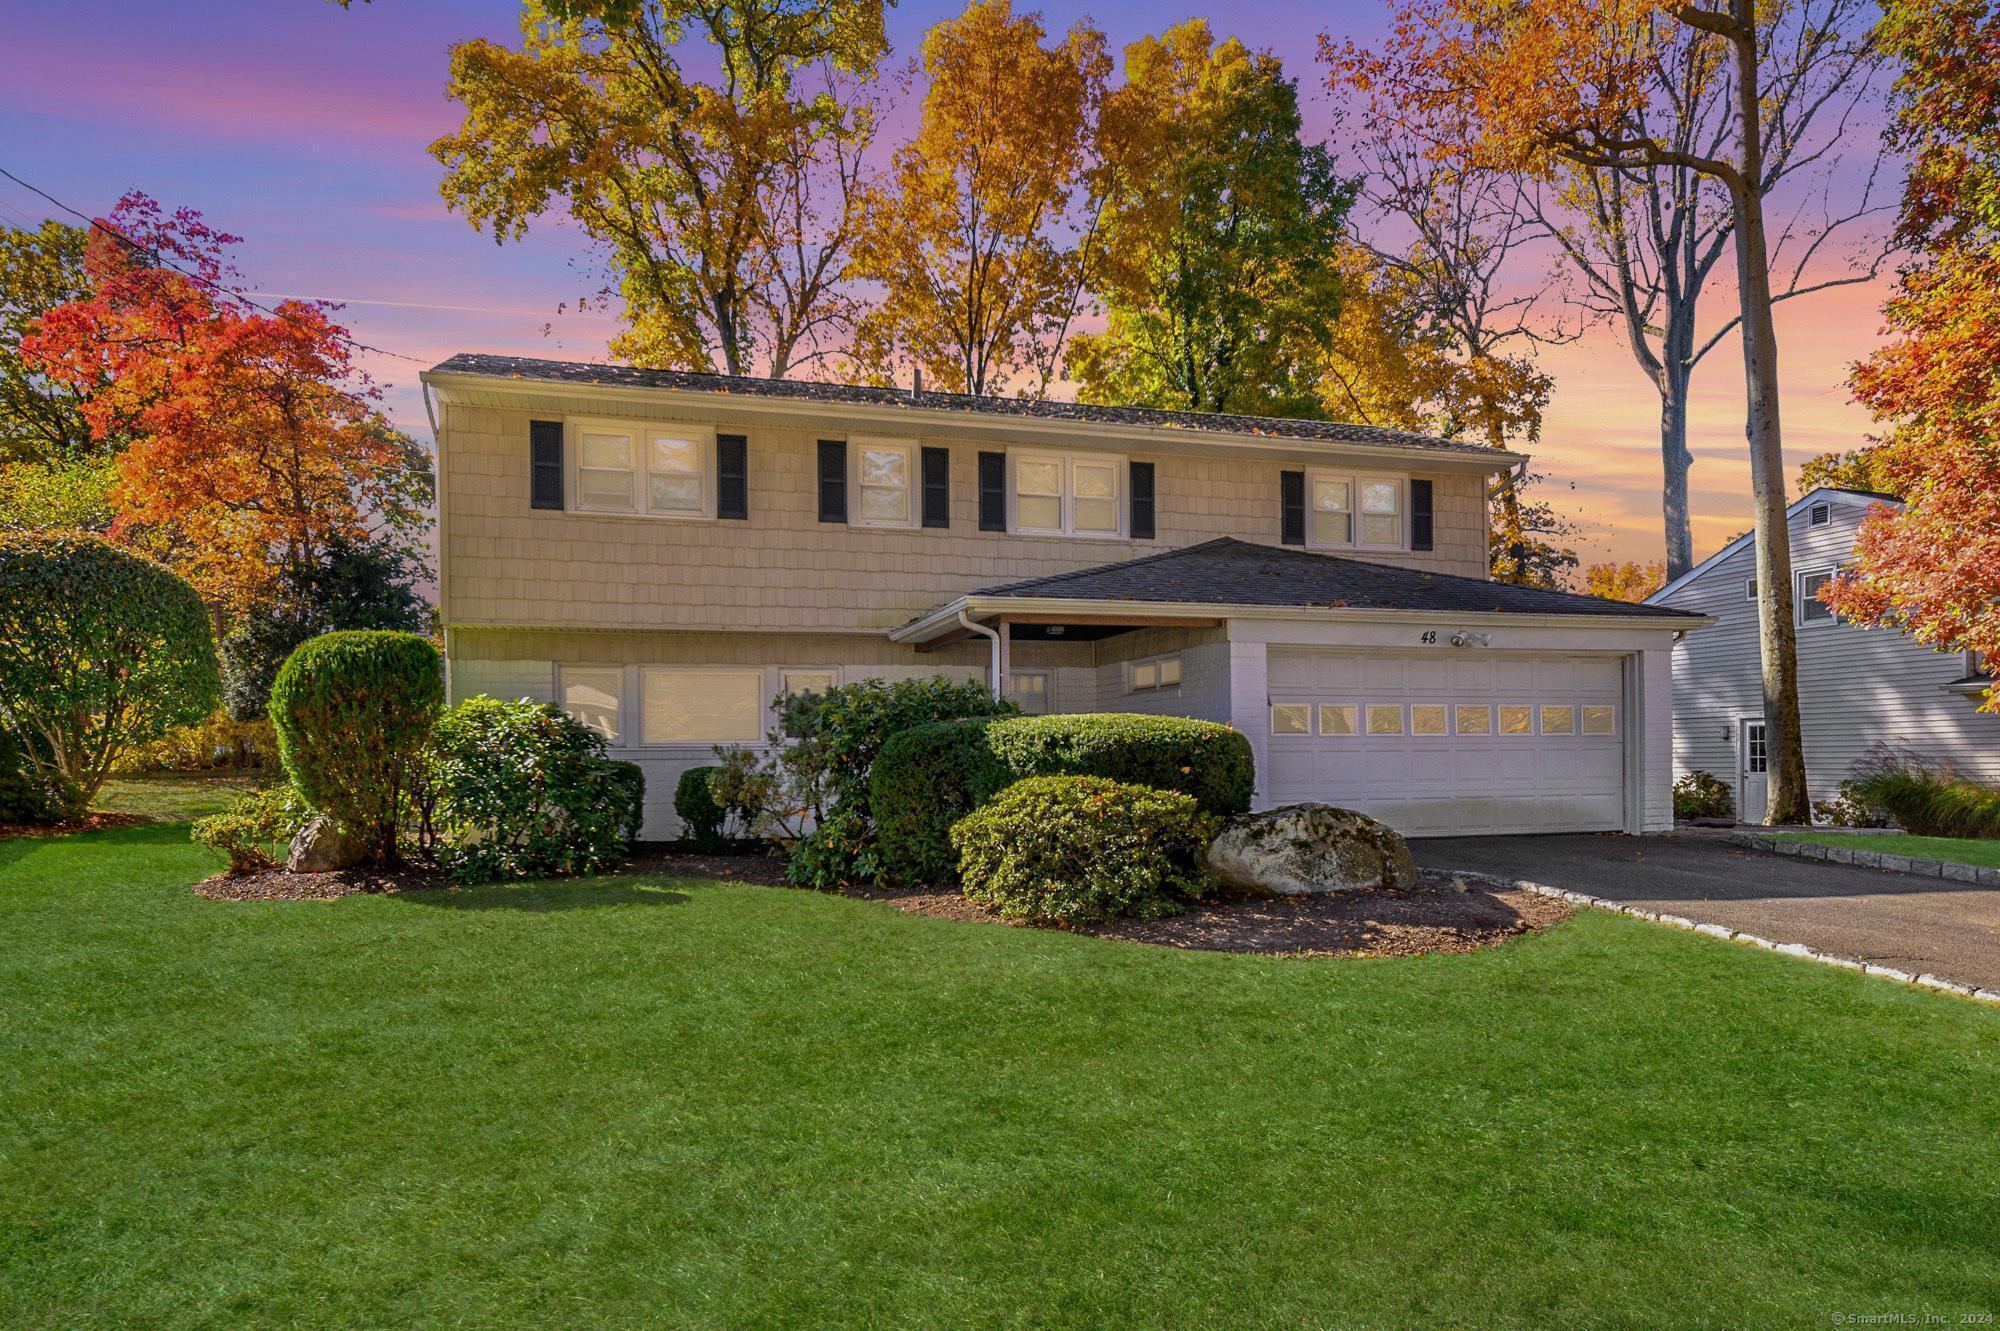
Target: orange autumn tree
column 1630, row 581
column 1499, row 85
column 1932, row 568
column 255, row 444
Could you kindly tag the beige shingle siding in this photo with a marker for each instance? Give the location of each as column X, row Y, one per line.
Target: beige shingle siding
column 505, row 563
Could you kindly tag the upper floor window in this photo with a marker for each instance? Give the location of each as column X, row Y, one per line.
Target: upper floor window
column 661, row 470
column 1812, row 610
column 1358, row 511
column 1059, row 494
column 884, row 480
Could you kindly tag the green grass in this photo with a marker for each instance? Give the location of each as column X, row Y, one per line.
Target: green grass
column 177, row 796
column 651, row 1102
column 1958, row 850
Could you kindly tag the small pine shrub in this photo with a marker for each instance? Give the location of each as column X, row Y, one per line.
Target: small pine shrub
column 1077, row 849
column 256, row 832
column 352, row 712
column 927, row 778
column 1702, row 794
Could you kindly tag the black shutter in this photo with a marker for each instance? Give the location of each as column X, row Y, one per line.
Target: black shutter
column 1142, row 501
column 1292, row 507
column 732, row 476
column 937, row 487
column 1420, row 515
column 993, row 492
column 545, row 464
column 832, row 480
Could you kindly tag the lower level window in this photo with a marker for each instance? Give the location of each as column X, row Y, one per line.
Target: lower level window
column 594, row 695
column 694, row 706
column 1030, row 691
column 1161, row 672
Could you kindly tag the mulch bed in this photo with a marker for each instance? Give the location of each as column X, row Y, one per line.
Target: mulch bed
column 1443, row 913
column 760, row 869
column 90, row 822
column 279, row 885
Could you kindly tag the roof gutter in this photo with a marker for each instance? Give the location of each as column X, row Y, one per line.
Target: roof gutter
column 959, row 612
column 1486, row 460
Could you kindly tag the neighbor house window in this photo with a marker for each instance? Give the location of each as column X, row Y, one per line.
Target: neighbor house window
column 883, row 476
column 594, row 695
column 1357, row 511
column 1161, row 672
column 1811, row 609
column 1057, row 494
column 1289, row 718
column 1427, row 719
column 1030, row 691
column 643, row 469
column 1384, row 719
column 1473, row 720
column 1517, row 720
column 1337, row 719
column 694, row 706
column 1749, row 589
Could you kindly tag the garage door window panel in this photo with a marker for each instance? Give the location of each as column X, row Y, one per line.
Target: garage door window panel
column 1474, row 720
column 1290, row 719
column 1558, row 719
column 1428, row 719
column 1337, row 719
column 1384, row 719
column 1516, row 719
column 1600, row 721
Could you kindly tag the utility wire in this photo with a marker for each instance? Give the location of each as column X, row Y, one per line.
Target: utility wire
column 162, row 261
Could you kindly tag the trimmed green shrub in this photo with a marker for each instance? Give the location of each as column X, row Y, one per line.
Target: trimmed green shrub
column 702, row 815
column 353, row 711
column 1076, row 849
column 26, row 795
column 1702, row 795
column 926, row 779
column 99, row 650
column 1849, row 808
column 256, row 832
column 834, row 738
column 1926, row 798
column 523, row 788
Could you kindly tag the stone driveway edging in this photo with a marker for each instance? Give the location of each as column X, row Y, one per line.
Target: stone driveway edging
column 1924, row 981
column 1868, row 859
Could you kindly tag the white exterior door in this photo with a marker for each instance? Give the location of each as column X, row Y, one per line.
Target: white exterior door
column 1753, row 783
column 1451, row 742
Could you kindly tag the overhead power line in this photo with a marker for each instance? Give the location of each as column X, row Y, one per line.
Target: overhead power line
column 162, row 261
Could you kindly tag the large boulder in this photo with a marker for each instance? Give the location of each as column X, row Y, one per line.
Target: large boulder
column 1305, row 848
column 323, row 846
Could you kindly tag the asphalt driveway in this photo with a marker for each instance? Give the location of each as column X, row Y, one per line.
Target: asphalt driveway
column 1895, row 919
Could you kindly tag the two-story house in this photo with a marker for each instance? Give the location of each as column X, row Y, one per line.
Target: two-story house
column 663, row 554
column 1857, row 686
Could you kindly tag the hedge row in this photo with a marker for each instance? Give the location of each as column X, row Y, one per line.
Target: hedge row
column 927, row 778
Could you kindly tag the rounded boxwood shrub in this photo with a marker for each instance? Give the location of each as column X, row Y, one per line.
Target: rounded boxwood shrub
column 1702, row 794
column 100, row 651
column 523, row 788
column 926, row 779
column 701, row 814
column 352, row 712
column 1076, row 849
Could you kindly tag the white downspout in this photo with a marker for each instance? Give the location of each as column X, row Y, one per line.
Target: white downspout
column 966, row 622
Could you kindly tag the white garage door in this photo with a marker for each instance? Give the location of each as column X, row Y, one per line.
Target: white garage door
column 1451, row 741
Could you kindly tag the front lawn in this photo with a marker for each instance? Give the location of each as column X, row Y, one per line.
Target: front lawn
column 643, row 1101
column 173, row 796
column 1957, row 850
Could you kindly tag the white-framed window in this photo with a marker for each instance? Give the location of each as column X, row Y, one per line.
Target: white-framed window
column 1558, row 719
column 700, row 705
column 1338, row 718
column 1427, row 718
column 665, row 471
column 1067, row 494
column 1385, row 718
column 885, row 483
column 1749, row 589
column 798, row 683
column 1600, row 720
column 1811, row 609
column 1030, row 691
column 1517, row 719
column 1358, row 510
column 594, row 695
column 1156, row 672
column 1291, row 718
column 1473, row 719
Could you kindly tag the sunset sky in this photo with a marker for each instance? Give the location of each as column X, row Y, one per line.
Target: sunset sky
column 303, row 127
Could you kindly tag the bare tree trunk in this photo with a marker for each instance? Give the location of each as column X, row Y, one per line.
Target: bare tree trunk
column 1675, row 461
column 1788, row 799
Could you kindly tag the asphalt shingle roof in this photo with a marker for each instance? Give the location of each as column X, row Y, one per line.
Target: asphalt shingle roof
column 623, row 376
column 1226, row 571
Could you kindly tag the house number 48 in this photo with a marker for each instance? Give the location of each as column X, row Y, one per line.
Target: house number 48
column 1428, row 638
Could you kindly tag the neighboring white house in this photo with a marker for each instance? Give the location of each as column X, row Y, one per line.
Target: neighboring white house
column 1857, row 686
column 664, row 553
